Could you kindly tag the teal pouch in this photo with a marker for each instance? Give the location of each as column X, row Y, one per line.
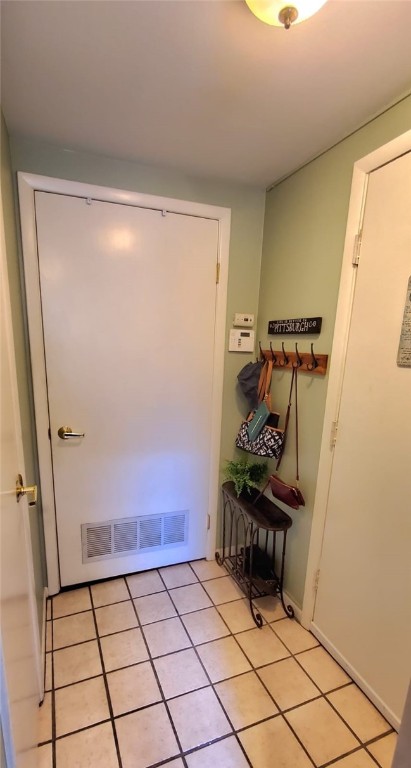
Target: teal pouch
column 258, row 421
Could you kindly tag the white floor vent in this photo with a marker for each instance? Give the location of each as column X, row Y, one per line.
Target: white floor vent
column 116, row 538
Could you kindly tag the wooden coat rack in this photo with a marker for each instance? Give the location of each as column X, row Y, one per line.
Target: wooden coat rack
column 307, row 362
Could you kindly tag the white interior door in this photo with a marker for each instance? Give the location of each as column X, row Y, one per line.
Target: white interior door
column 19, row 637
column 128, row 301
column 363, row 606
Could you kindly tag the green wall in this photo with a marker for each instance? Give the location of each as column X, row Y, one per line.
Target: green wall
column 304, row 234
column 23, row 372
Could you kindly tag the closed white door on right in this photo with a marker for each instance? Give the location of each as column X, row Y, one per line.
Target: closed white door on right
column 363, row 606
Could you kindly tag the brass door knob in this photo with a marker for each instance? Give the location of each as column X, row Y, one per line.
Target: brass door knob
column 21, row 490
column 65, row 433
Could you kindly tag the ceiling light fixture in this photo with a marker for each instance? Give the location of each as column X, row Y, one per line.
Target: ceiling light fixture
column 278, row 14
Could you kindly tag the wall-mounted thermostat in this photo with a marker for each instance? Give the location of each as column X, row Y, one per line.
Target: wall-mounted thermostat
column 241, row 341
column 243, row 321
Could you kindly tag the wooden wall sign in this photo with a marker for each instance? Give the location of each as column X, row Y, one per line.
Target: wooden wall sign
column 300, row 326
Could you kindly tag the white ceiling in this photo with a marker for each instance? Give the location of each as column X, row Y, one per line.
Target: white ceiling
column 200, row 85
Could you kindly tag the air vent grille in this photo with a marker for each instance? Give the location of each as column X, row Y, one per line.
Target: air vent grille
column 125, row 536
column 150, row 533
column 98, row 541
column 129, row 535
column 174, row 529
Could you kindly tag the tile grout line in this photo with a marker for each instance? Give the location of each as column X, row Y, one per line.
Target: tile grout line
column 53, row 693
column 164, row 701
column 150, row 594
column 347, row 754
column 72, row 645
column 218, row 740
column 372, row 757
column 201, row 687
column 362, row 743
column 325, row 694
column 211, row 683
column 83, row 728
column 322, row 695
column 194, row 647
column 280, row 710
column 374, row 739
column 254, row 669
column 109, row 579
column 150, row 623
column 86, row 610
column 215, row 693
column 291, row 656
column 110, row 707
column 155, row 657
column 285, row 712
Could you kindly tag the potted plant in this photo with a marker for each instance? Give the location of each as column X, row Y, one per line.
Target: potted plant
column 246, row 475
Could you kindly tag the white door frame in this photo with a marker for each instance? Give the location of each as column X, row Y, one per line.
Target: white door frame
column 37, row 645
column 30, row 183
column 362, row 169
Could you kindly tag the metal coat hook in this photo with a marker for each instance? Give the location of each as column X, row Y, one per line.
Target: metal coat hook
column 307, row 362
column 285, row 359
column 314, row 362
column 298, row 362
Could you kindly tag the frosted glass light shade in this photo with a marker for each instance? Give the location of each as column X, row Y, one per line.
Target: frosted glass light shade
column 269, row 11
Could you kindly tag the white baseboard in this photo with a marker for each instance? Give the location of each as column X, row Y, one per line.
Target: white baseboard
column 352, row 672
column 297, row 610
column 43, row 637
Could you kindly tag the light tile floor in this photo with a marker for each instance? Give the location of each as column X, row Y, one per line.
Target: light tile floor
column 167, row 668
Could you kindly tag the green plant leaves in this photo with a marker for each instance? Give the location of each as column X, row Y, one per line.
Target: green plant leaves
column 245, row 475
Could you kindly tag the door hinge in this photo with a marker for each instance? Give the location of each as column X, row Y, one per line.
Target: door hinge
column 316, row 580
column 356, row 249
column 208, row 522
column 334, row 430
column 217, row 273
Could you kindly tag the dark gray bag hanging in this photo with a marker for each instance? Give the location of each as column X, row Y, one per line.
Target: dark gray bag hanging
column 269, row 441
column 249, row 379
